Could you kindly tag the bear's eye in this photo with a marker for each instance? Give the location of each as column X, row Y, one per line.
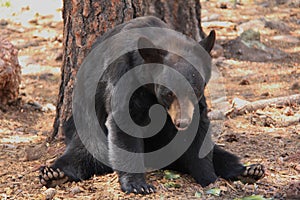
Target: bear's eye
column 170, row 94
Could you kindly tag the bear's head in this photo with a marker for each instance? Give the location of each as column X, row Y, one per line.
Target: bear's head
column 180, row 110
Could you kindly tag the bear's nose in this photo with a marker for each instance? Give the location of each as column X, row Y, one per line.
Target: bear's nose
column 182, row 124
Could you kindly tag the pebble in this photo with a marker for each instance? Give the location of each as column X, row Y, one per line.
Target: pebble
column 296, row 86
column 76, row 190
column 35, row 105
column 50, row 193
column 218, row 24
column 209, row 18
column 279, row 25
column 3, row 22
column 257, row 25
column 49, row 107
column 59, row 56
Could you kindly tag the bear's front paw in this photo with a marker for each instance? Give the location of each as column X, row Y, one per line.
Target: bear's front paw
column 137, row 188
column 252, row 173
column 50, row 177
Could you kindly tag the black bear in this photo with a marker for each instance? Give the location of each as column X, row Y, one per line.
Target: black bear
column 77, row 163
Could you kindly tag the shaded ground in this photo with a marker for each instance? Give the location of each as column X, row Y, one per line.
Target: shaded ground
column 24, row 128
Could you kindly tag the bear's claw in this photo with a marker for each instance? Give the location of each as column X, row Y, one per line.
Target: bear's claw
column 138, row 188
column 50, row 177
column 252, row 173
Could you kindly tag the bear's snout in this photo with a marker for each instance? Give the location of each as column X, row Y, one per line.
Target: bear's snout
column 182, row 124
column 181, row 116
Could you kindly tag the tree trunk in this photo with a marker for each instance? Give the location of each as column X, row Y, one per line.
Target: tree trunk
column 84, row 20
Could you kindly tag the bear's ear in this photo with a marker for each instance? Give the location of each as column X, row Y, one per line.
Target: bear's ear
column 149, row 52
column 208, row 42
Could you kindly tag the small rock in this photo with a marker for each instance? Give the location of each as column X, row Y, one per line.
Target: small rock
column 216, row 115
column 281, row 26
column 256, row 25
column 76, row 190
column 3, row 22
column 35, row 105
column 265, row 94
column 218, row 24
column 59, row 56
column 252, row 50
column 217, row 126
column 45, row 76
column 223, row 5
column 250, row 35
column 50, row 193
column 281, row 2
column 49, row 107
column 209, row 18
column 248, row 95
column 20, row 129
column 295, row 86
column 244, row 82
column 231, row 138
column 265, row 4
column 221, row 62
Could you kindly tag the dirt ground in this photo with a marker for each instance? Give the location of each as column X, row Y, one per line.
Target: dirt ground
column 264, row 136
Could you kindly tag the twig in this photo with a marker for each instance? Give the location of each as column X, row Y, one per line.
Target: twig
column 3, row 174
column 260, row 104
column 228, row 184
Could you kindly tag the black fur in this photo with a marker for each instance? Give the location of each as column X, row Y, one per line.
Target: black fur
column 78, row 164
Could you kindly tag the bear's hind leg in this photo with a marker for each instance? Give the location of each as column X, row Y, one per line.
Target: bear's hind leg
column 75, row 164
column 201, row 169
column 66, row 168
column 229, row 167
column 203, row 172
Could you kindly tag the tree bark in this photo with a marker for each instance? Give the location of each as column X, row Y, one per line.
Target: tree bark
column 85, row 20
